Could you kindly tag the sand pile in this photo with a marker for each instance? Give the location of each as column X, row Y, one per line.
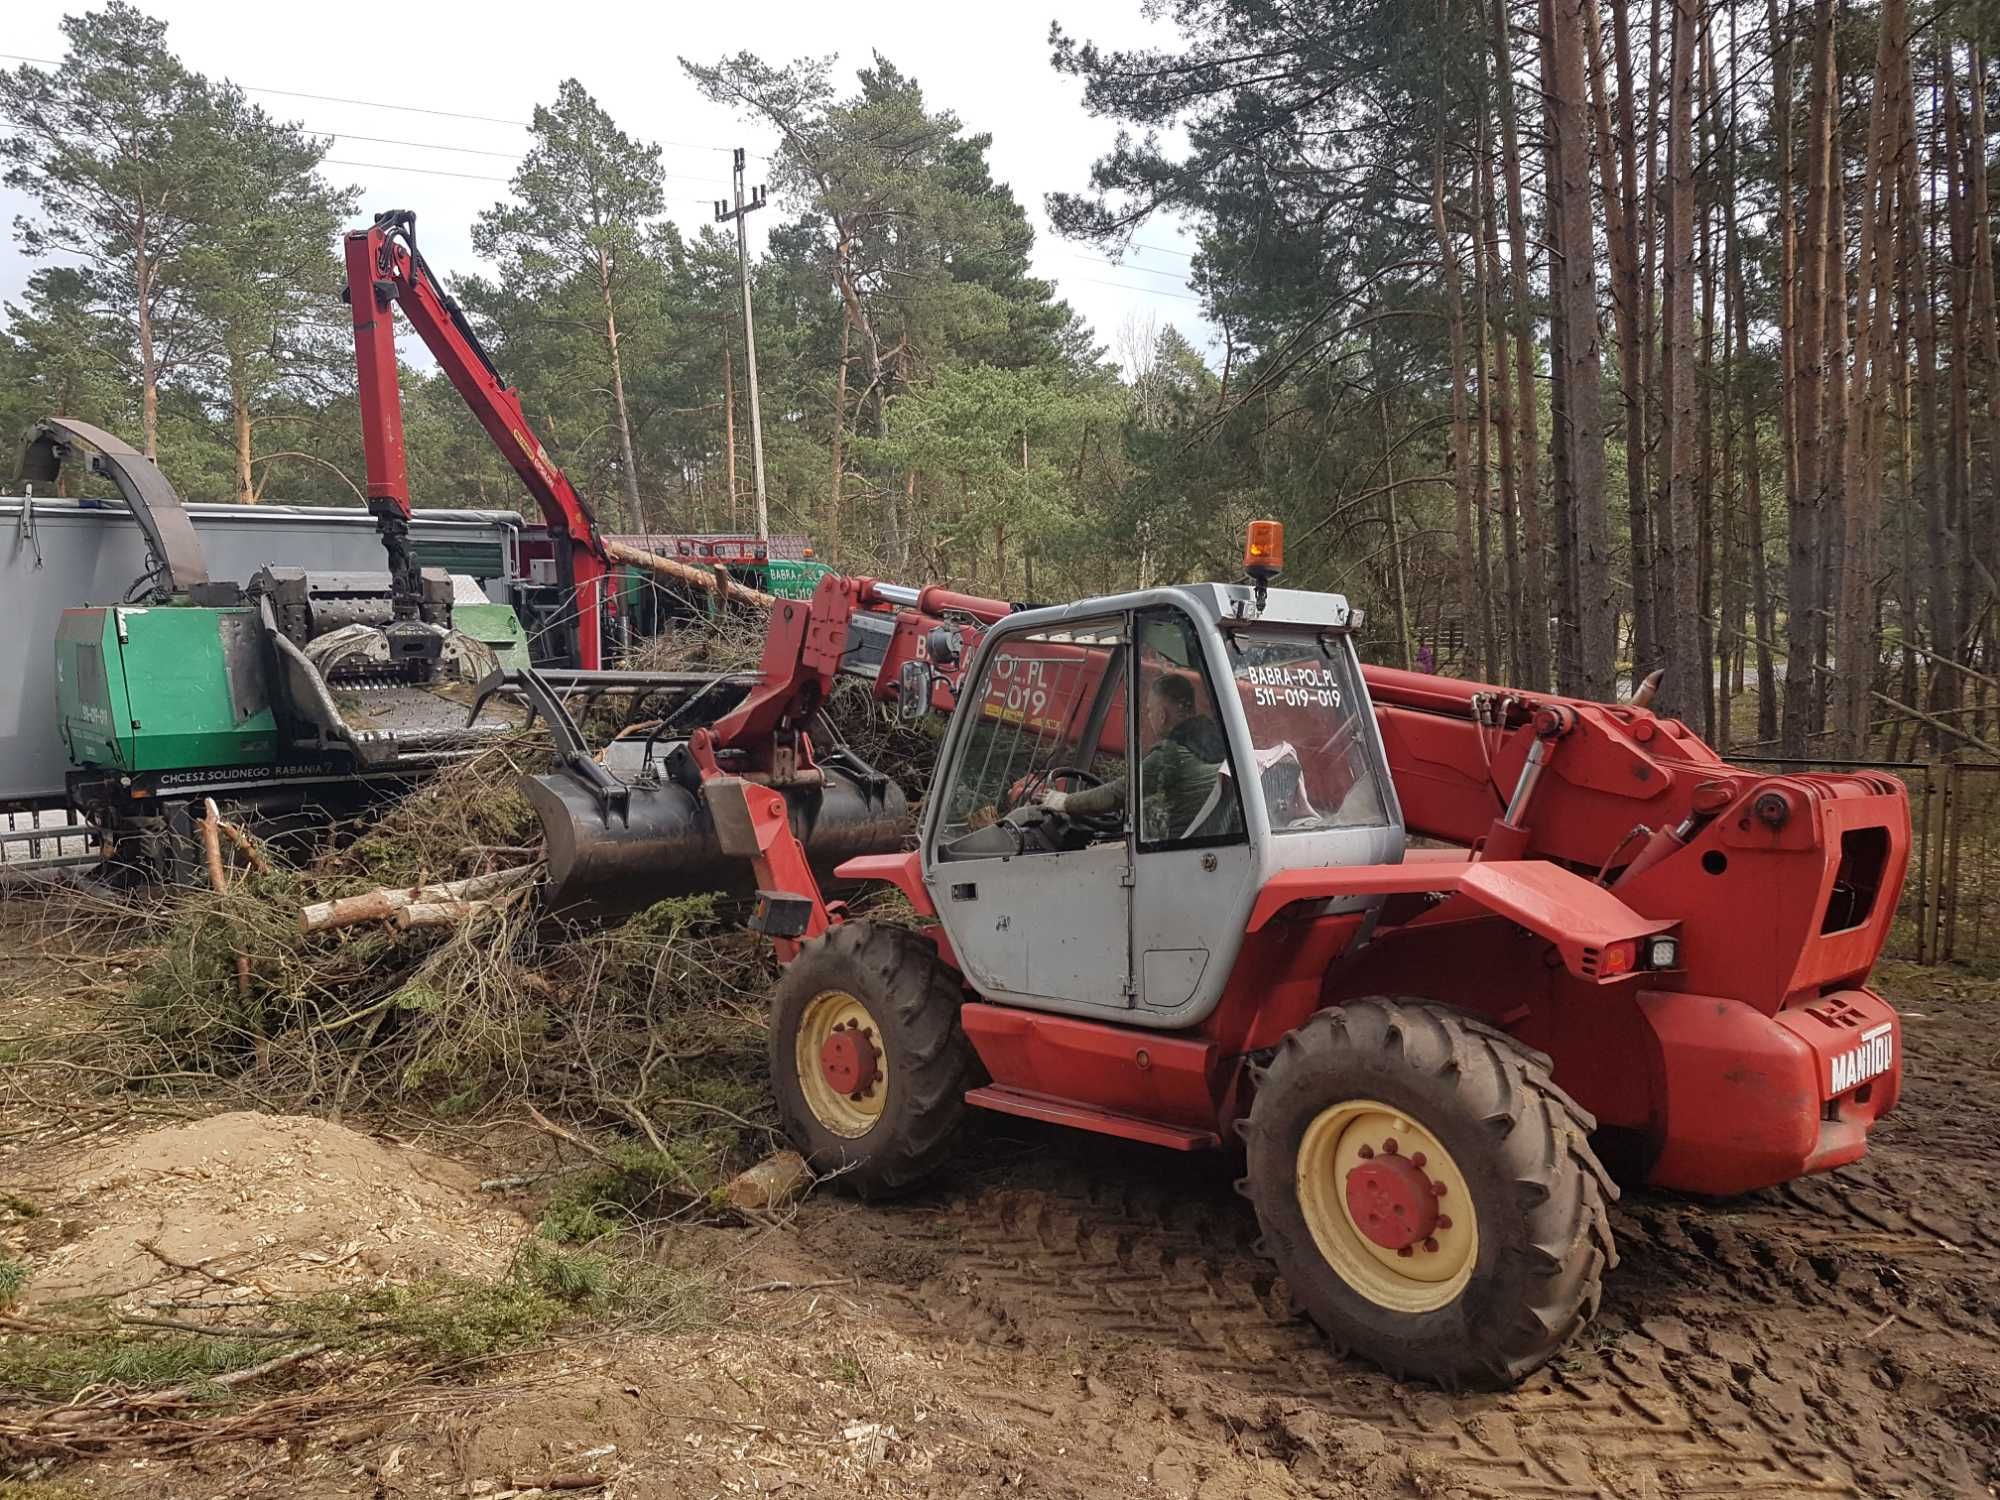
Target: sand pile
column 243, row 1205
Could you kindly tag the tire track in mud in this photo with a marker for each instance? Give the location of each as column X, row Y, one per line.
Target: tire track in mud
column 1757, row 1348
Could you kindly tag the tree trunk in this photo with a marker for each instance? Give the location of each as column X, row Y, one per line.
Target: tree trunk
column 1562, row 604
column 1461, row 457
column 1503, row 417
column 1861, row 488
column 1706, row 530
column 1621, row 233
column 1802, row 543
column 239, row 411
column 1782, row 43
column 836, row 499
column 1759, row 576
column 621, row 415
column 1688, row 674
column 1582, row 431
column 1395, row 529
column 1533, row 618
column 1833, row 448
column 1489, row 646
column 149, row 363
column 1958, row 488
column 1648, row 526
column 1989, row 325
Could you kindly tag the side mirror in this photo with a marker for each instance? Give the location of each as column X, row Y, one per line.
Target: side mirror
column 913, row 690
column 942, row 646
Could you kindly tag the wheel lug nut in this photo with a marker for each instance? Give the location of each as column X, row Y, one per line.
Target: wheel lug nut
column 1438, row 1188
column 1417, row 1159
column 1406, row 1252
column 1430, row 1246
column 1389, row 1146
column 1367, row 1153
column 1444, row 1222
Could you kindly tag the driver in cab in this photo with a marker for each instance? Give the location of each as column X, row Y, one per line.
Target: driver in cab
column 1177, row 775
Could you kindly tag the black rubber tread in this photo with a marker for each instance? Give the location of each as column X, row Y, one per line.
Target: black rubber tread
column 915, row 998
column 1522, row 1143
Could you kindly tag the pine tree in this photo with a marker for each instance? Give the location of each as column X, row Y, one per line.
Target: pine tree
column 586, row 192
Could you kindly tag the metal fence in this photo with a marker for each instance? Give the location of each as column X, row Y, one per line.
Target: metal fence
column 1950, row 908
column 43, row 839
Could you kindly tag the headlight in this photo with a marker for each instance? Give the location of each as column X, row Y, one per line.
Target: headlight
column 1663, row 953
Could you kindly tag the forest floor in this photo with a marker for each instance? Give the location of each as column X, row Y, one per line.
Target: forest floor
column 1061, row 1316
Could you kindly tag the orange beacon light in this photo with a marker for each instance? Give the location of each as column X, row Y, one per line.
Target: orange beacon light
column 1264, row 554
column 1264, row 550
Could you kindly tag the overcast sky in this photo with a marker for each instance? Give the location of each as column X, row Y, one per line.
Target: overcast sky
column 495, row 60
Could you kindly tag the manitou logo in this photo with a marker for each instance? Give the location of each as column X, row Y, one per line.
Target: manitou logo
column 1873, row 1057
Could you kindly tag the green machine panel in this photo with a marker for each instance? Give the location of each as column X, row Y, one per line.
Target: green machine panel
column 481, row 557
column 790, row 579
column 164, row 687
column 494, row 625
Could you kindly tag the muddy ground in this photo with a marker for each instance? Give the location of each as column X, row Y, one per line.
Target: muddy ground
column 1072, row 1317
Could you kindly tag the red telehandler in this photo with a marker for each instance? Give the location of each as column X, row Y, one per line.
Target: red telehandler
column 1444, row 957
column 1172, row 888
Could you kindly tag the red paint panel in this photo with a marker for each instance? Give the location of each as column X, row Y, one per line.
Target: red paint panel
column 1087, row 1117
column 1147, row 1075
column 1575, row 914
column 904, row 871
column 1279, row 980
column 1743, row 1093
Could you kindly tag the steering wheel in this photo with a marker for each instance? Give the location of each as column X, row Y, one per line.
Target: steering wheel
column 1030, row 787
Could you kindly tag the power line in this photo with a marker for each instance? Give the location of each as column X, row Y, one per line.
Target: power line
column 383, row 166
column 410, row 109
column 1120, row 265
column 384, row 140
column 1149, row 291
column 380, row 166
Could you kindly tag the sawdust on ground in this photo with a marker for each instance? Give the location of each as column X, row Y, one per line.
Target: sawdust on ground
column 281, row 1205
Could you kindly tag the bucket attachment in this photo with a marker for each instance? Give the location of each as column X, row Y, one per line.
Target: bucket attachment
column 629, row 825
column 666, row 844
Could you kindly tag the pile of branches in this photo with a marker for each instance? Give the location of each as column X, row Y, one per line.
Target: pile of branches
column 639, row 1025
column 466, row 998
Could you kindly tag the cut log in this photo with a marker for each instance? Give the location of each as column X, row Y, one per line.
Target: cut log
column 716, row 582
column 437, row 913
column 382, row 905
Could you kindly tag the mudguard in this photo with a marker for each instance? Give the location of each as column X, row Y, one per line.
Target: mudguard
column 1578, row 916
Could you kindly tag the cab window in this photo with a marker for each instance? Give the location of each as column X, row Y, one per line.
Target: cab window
column 1188, row 791
column 1311, row 729
column 1047, row 715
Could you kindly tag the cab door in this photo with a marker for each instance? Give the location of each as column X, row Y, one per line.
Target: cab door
column 1038, row 907
column 1193, row 868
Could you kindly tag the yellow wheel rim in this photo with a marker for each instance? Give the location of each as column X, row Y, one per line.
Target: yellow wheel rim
column 1370, row 1181
column 835, row 1020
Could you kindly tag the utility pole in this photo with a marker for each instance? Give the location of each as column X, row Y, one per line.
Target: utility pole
column 723, row 212
column 729, row 423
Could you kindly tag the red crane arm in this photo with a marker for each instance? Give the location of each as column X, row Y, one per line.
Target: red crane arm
column 384, row 270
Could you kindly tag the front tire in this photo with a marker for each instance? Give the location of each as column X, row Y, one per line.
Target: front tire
column 869, row 1064
column 1428, row 1192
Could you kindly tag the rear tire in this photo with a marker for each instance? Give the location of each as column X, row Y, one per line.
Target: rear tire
column 891, row 1004
column 1383, row 1108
